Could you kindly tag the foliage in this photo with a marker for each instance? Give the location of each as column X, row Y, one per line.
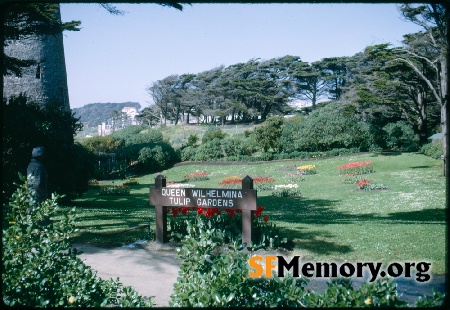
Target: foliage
column 27, row 125
column 311, row 135
column 213, row 133
column 286, row 190
column 400, row 136
column 135, row 134
column 432, row 149
column 156, row 158
column 228, row 221
column 147, row 157
column 224, row 270
column 268, row 134
column 40, row 269
column 99, row 144
column 215, row 149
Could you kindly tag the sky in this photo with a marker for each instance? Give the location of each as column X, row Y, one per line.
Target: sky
column 115, row 58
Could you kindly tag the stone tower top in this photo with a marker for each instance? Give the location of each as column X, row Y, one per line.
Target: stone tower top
column 46, row 81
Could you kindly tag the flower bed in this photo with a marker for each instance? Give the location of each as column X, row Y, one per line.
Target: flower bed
column 231, row 181
column 366, row 185
column 131, row 181
column 356, row 168
column 114, row 190
column 307, row 169
column 287, row 190
column 93, row 183
column 197, row 176
column 180, row 185
column 227, row 220
column 259, row 183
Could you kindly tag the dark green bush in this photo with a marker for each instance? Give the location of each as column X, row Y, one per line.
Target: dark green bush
column 137, row 134
column 213, row 133
column 400, row 136
column 100, row 144
column 156, row 158
column 267, row 135
column 216, row 275
column 432, row 149
column 325, row 129
column 41, row 269
column 27, row 125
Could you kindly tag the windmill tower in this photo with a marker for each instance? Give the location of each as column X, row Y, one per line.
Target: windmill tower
column 45, row 81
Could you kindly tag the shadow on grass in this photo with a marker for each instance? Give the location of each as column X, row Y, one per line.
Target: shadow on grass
column 315, row 242
column 422, row 167
column 322, row 212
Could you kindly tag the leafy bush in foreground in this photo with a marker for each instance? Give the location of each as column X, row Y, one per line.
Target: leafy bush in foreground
column 40, row 269
column 215, row 275
column 432, row 149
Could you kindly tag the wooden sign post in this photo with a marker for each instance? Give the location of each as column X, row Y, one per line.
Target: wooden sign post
column 236, row 199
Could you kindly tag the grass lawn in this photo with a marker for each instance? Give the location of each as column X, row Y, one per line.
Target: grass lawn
column 332, row 221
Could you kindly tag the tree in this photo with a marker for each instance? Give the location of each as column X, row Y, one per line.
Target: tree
column 149, row 116
column 335, row 72
column 268, row 134
column 433, row 18
column 309, row 81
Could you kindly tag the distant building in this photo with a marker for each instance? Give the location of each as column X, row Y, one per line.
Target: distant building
column 436, row 138
column 104, row 129
column 129, row 118
column 131, row 113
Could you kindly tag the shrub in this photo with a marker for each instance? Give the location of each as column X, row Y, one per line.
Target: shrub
column 432, row 149
column 224, row 271
column 228, row 221
column 400, row 136
column 138, row 134
column 40, row 269
column 27, row 125
column 99, row 144
column 268, row 134
column 325, row 129
column 213, row 133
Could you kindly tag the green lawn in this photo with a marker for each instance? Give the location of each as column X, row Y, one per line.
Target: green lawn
column 332, row 221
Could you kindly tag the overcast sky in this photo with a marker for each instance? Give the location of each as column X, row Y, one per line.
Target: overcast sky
column 114, row 58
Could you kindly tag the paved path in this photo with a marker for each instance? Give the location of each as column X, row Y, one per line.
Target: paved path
column 153, row 270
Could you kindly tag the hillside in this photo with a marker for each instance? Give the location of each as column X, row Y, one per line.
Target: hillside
column 93, row 114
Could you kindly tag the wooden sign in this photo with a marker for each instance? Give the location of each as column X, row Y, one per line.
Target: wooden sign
column 239, row 199
column 204, row 197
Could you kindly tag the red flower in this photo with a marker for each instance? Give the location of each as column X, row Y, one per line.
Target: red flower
column 266, row 218
column 362, row 183
column 200, row 211
column 259, row 211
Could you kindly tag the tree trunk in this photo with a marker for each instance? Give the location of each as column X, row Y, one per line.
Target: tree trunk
column 444, row 95
column 422, row 123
